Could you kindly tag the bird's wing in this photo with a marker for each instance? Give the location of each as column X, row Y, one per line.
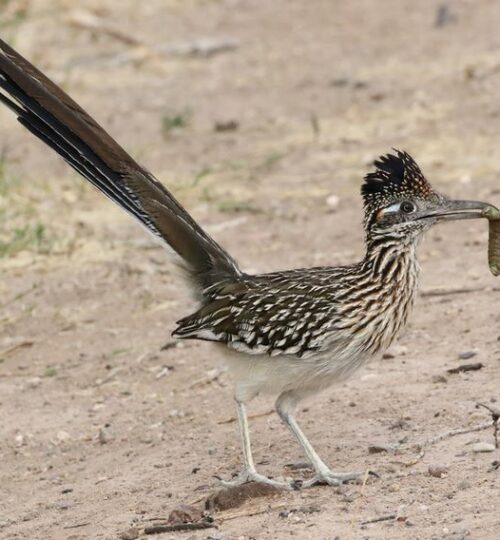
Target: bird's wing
column 256, row 320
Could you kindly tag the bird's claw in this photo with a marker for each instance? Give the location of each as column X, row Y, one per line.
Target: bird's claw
column 246, row 476
column 331, row 478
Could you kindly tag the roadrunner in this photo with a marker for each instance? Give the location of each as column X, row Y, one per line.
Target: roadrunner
column 290, row 333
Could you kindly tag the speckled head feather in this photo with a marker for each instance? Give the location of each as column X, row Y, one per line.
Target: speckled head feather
column 397, row 177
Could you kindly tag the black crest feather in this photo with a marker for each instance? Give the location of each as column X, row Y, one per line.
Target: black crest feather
column 395, row 176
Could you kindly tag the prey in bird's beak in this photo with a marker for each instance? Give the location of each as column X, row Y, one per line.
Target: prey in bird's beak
column 448, row 210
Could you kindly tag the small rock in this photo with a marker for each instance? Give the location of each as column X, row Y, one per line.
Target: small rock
column 216, row 536
column 129, row 534
column 439, row 379
column 226, row 125
column 394, row 488
column 444, row 16
column 310, row 509
column 437, row 471
column 395, row 350
column 467, row 354
column 483, row 447
column 19, row 440
column 333, row 201
column 340, row 81
column 34, row 382
column 379, row 448
column 464, row 484
column 105, row 435
column 185, row 513
column 63, row 436
column 169, row 345
column 348, row 497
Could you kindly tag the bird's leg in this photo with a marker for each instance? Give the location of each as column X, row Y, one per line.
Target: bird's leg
column 249, row 473
column 285, row 405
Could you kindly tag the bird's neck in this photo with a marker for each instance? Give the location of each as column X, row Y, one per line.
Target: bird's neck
column 388, row 257
column 390, row 271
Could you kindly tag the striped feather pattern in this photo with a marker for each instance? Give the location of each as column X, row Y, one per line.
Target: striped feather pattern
column 308, row 311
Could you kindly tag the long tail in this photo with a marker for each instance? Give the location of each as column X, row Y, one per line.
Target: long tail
column 52, row 116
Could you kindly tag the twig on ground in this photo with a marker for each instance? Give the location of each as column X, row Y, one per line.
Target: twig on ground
column 389, row 517
column 212, row 376
column 465, row 367
column 226, row 516
column 441, row 437
column 250, row 417
column 449, row 292
column 77, row 525
column 13, row 348
column 160, row 528
column 199, row 47
column 421, row 454
column 89, row 21
column 460, row 290
column 453, row 433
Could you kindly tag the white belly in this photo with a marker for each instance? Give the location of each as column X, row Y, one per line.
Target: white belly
column 273, row 375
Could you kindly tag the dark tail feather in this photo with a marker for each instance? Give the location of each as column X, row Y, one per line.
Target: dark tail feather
column 52, row 116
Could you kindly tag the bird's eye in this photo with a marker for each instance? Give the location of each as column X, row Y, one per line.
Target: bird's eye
column 407, row 207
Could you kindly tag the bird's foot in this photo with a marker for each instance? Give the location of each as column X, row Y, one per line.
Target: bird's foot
column 247, row 476
column 332, row 478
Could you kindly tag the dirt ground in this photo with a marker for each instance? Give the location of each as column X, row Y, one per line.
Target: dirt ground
column 254, row 113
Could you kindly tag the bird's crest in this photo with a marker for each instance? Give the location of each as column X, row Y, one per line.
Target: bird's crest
column 396, row 176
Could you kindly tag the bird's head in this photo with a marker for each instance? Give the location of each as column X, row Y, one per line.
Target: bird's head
column 400, row 202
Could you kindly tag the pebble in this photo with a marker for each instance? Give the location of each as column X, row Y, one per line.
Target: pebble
column 332, row 201
column 226, row 125
column 438, row 471
column 129, row 534
column 19, row 440
column 396, row 350
column 34, row 382
column 467, row 354
column 215, row 536
column 63, row 436
column 483, row 447
column 105, row 435
column 379, row 448
column 310, row 509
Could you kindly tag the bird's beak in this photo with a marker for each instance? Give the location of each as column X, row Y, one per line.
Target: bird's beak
column 452, row 210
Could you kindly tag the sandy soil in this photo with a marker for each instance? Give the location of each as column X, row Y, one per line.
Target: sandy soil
column 102, row 427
